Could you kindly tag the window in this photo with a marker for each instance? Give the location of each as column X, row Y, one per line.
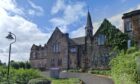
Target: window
column 52, row 62
column 129, row 43
column 73, row 50
column 101, row 39
column 56, row 47
column 128, row 26
column 33, row 55
column 89, row 32
column 59, row 62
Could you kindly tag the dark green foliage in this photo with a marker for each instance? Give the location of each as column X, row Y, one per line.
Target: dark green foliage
column 3, row 74
column 2, row 64
column 124, row 67
column 39, row 81
column 101, row 72
column 22, row 76
column 114, row 36
column 74, row 70
column 17, row 65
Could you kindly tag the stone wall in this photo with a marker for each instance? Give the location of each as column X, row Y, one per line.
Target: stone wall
column 62, row 54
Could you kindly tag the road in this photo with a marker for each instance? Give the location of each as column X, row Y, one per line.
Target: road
column 85, row 77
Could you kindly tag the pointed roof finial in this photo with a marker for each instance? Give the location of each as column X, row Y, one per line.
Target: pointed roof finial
column 89, row 21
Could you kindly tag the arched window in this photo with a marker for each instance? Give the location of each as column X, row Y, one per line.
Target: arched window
column 56, row 47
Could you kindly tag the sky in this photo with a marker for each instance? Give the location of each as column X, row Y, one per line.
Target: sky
column 33, row 21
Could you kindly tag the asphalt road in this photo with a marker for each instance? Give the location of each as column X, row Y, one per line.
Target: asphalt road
column 85, row 77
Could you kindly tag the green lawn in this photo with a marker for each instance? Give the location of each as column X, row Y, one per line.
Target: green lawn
column 66, row 81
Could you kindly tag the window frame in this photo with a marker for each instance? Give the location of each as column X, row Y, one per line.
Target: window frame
column 128, row 25
column 101, row 39
column 56, row 47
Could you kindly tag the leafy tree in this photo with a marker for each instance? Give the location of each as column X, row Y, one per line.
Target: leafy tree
column 28, row 65
column 2, row 64
column 21, row 64
column 17, row 65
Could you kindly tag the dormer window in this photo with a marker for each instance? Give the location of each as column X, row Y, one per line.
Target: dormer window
column 101, row 39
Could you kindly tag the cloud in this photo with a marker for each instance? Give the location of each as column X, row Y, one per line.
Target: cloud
column 70, row 13
column 80, row 32
column 59, row 5
column 27, row 33
column 36, row 10
column 115, row 20
column 10, row 6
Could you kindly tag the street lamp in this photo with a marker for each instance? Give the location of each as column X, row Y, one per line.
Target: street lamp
column 10, row 37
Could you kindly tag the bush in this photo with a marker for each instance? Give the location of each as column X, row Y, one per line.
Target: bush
column 124, row 67
column 74, row 70
column 101, row 72
column 18, row 76
column 22, row 76
column 39, row 81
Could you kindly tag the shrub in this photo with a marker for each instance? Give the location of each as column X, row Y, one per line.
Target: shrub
column 18, row 76
column 39, row 81
column 124, row 67
column 22, row 76
column 101, row 72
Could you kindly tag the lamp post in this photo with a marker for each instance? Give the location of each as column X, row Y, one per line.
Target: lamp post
column 10, row 37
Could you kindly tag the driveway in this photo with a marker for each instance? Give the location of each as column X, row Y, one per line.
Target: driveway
column 85, row 77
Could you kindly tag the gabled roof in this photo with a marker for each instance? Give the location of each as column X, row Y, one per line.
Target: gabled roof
column 56, row 30
column 79, row 40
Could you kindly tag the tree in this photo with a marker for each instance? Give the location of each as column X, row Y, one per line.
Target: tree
column 17, row 65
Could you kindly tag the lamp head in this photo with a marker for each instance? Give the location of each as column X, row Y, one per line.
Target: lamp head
column 10, row 37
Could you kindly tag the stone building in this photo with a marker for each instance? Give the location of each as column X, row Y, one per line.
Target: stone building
column 89, row 51
column 132, row 25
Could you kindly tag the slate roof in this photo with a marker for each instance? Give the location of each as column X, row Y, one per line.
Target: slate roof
column 79, row 40
column 130, row 14
column 89, row 21
column 35, row 47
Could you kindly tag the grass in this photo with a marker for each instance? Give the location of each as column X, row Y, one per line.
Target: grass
column 66, row 81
